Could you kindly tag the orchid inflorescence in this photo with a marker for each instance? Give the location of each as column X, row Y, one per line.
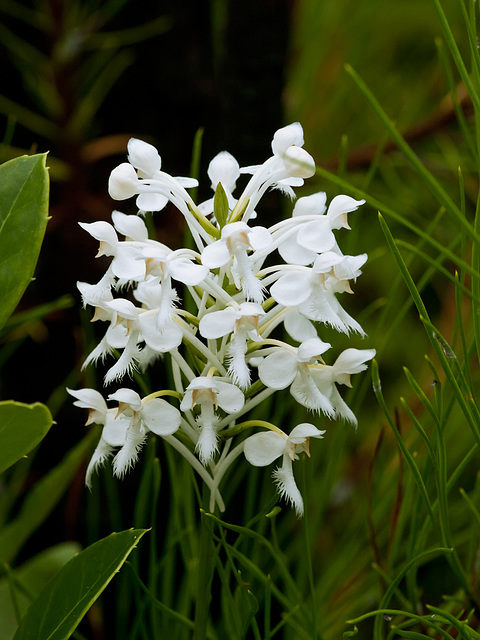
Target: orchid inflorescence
column 223, row 359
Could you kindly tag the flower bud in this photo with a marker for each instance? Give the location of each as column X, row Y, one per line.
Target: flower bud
column 123, row 182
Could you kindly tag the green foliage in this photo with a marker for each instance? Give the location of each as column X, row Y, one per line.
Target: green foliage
column 23, row 219
column 67, row 80
column 55, row 614
column 40, row 501
column 22, row 427
column 22, row 585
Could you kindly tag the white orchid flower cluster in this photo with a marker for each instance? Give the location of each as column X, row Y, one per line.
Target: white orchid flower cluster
column 225, row 358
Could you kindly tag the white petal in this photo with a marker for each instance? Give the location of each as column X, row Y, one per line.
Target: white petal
column 298, row 326
column 151, row 201
column 316, row 236
column 162, row 341
column 259, row 238
column 349, row 267
column 310, row 205
column 263, row 448
column 303, row 431
column 143, row 156
column 130, row 226
column 287, row 487
column 89, row 399
column 128, row 454
column 305, row 392
column 341, row 407
column 101, row 454
column 129, row 396
column 128, row 264
column 298, row 163
column 338, row 209
column 217, row 323
column 160, row 417
column 225, row 169
column 312, row 349
column 115, row 429
column 278, row 370
column 216, row 254
column 116, row 337
column 101, row 231
column 294, row 253
column 351, row 361
column 292, row 288
column 229, row 397
column 187, row 401
column 287, row 136
column 187, row 271
column 124, row 308
column 326, row 261
column 186, row 183
column 207, row 443
column 123, row 182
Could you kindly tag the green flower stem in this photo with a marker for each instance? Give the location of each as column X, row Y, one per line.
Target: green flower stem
column 163, row 392
column 206, row 566
column 198, row 467
column 248, row 424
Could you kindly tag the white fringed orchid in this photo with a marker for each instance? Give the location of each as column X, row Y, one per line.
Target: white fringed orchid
column 290, row 366
column 236, row 239
column 126, row 426
column 241, row 321
column 210, row 394
column 264, row 448
column 211, row 314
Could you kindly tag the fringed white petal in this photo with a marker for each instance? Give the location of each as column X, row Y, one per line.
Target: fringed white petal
column 101, row 454
column 287, row 487
column 128, row 454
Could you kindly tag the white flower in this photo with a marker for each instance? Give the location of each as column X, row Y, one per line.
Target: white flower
column 312, row 289
column 243, row 322
column 222, row 169
column 129, row 327
column 313, row 231
column 209, row 394
column 139, row 416
column 126, row 264
column 153, row 187
column 166, row 265
column 264, row 448
column 287, row 168
column 290, row 366
column 125, row 426
column 326, row 378
column 236, row 239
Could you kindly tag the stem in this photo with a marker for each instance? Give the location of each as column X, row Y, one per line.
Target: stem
column 198, row 467
column 206, row 564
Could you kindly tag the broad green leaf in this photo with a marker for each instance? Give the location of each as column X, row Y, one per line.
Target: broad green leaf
column 22, row 427
column 23, row 218
column 55, row 614
column 27, row 582
column 41, row 499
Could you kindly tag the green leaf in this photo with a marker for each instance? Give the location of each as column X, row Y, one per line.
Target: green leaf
column 25, row 583
column 55, row 614
column 22, row 427
column 41, row 499
column 23, row 217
